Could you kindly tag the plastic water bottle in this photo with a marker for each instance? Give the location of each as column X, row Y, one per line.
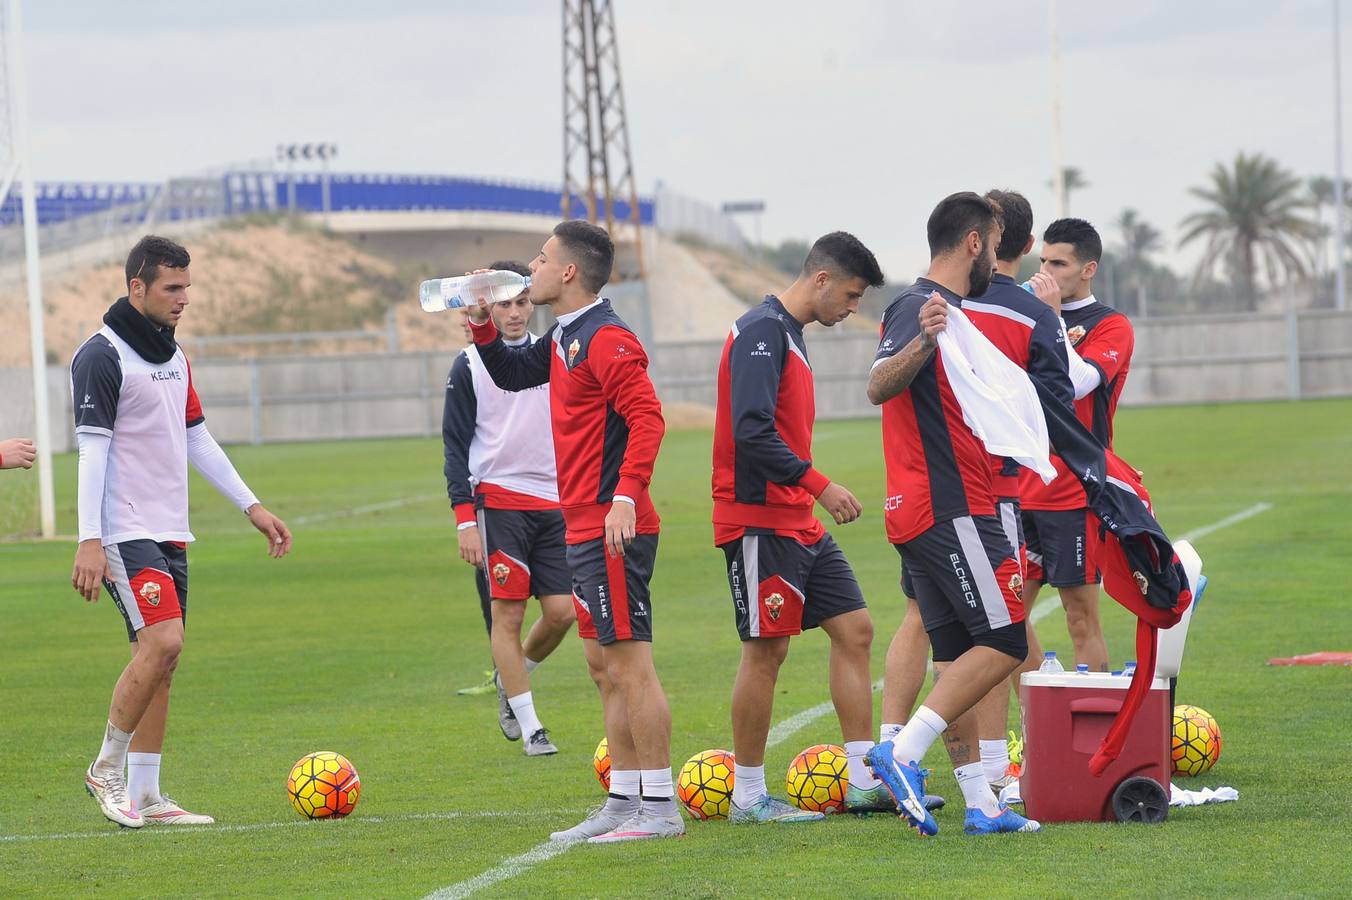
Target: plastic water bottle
column 437, row 294
column 1050, row 663
column 1130, row 668
column 1082, row 669
column 1028, row 286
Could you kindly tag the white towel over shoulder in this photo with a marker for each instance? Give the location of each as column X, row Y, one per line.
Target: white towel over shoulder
column 998, row 401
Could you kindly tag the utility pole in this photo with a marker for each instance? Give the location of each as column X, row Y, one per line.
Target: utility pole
column 1058, row 153
column 20, row 157
column 1339, row 194
column 598, row 167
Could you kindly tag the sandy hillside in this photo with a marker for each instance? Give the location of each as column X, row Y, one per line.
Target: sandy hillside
column 254, row 279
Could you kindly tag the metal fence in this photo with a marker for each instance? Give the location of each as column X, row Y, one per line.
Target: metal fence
column 370, row 395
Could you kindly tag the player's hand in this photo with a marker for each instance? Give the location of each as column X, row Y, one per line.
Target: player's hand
column 91, row 567
column 1046, row 289
column 17, row 453
column 478, row 313
column 620, row 523
column 471, row 545
column 840, row 503
column 272, row 528
column 933, row 319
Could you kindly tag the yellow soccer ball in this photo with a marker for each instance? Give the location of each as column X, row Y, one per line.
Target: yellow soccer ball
column 817, row 779
column 1196, row 742
column 323, row 785
column 601, row 763
column 705, row 784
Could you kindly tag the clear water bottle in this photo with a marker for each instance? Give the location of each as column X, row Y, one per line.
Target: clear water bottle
column 1130, row 668
column 437, row 294
column 1082, row 669
column 1050, row 663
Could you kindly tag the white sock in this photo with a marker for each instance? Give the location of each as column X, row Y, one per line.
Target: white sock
column 888, row 731
column 624, row 791
column 918, row 736
column 657, row 793
column 113, row 755
column 994, row 759
column 976, row 790
column 748, row 784
column 861, row 776
column 523, row 706
column 531, row 664
column 143, row 778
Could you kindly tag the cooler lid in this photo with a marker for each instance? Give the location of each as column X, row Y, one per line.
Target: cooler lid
column 1098, row 680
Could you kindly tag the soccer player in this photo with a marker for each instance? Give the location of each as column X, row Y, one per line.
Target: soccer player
column 17, row 453
column 501, row 480
column 608, row 426
column 1029, row 334
column 785, row 571
column 138, row 423
column 1061, row 532
column 941, row 515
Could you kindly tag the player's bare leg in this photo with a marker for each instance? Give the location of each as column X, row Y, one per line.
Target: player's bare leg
column 623, row 800
column 154, row 661
column 143, row 763
column 851, row 637
column 904, row 671
column 629, row 665
column 1081, row 604
column 508, row 616
column 556, row 619
column 753, row 698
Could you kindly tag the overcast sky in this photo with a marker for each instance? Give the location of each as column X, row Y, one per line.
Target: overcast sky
column 849, row 114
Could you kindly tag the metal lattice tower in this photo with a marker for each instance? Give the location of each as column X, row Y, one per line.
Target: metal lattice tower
column 598, row 167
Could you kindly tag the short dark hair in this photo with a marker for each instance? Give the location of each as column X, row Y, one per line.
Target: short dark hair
column 1079, row 234
column 592, row 251
column 151, row 252
column 843, row 253
column 510, row 265
column 1016, row 217
column 956, row 216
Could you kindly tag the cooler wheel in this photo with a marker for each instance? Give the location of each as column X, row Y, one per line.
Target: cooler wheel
column 1140, row 799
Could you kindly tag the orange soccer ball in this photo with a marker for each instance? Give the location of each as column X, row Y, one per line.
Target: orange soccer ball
column 323, row 785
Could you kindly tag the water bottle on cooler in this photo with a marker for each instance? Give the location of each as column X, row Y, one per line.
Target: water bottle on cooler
column 1082, row 669
column 1050, row 663
column 437, row 294
column 1130, row 668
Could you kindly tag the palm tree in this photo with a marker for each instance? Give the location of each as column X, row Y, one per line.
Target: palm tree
column 1254, row 217
column 1139, row 240
column 1074, row 179
column 1321, row 195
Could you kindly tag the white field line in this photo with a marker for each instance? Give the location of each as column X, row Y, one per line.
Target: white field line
column 1052, row 604
column 268, row 826
column 516, row 865
column 362, row 510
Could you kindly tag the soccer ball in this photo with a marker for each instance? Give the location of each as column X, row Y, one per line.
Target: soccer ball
column 1197, row 740
column 817, row 779
column 705, row 784
column 601, row 763
column 323, row 785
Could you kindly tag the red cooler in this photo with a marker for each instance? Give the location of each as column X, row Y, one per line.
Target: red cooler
column 1066, row 716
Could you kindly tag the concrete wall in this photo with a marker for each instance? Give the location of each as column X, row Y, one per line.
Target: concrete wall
column 1177, row 360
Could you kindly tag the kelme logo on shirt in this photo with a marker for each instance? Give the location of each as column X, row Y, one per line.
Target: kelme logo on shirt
column 760, row 350
column 573, row 348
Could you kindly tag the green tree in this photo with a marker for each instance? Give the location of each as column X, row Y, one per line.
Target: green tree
column 1075, row 181
column 1253, row 216
column 1139, row 240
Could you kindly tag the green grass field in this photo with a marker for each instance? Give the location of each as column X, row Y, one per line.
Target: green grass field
column 358, row 641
